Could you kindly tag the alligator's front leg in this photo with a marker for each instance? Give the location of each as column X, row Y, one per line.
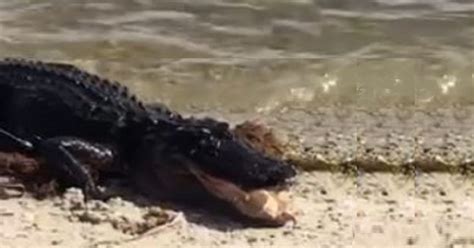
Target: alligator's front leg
column 68, row 159
column 10, row 141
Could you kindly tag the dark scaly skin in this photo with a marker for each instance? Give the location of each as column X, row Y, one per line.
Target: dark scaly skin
column 76, row 121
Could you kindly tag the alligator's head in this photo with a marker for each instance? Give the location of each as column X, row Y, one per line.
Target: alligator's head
column 215, row 149
column 200, row 154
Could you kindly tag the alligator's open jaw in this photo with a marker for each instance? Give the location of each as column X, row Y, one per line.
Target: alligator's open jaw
column 263, row 206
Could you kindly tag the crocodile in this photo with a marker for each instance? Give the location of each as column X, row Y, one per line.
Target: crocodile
column 84, row 126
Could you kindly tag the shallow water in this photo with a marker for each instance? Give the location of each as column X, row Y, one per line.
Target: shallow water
column 258, row 55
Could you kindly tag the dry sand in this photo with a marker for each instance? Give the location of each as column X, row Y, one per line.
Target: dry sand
column 429, row 207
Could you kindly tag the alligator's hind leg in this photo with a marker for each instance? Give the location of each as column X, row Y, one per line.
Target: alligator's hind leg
column 68, row 160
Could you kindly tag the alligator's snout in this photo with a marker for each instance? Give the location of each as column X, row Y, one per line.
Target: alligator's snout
column 234, row 160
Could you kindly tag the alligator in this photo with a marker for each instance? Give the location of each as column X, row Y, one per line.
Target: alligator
column 84, row 126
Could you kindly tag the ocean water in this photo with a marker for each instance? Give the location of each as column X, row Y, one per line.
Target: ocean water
column 258, row 55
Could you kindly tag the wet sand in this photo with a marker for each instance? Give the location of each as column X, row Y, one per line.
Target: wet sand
column 359, row 196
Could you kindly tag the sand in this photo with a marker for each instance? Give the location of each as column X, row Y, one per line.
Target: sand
column 371, row 206
column 333, row 210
